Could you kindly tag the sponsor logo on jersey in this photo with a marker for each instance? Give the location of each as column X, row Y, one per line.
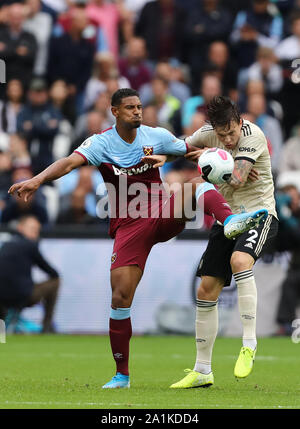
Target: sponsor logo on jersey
column 131, row 171
column 247, row 149
column 249, row 245
column 113, row 257
column 148, row 150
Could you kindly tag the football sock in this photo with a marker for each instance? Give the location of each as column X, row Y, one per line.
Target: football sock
column 120, row 332
column 206, row 332
column 212, row 202
column 247, row 299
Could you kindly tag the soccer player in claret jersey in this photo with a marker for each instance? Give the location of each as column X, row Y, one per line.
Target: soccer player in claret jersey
column 222, row 258
column 118, row 153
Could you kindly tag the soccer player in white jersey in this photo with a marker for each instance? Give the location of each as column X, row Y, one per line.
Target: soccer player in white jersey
column 118, row 153
column 222, row 258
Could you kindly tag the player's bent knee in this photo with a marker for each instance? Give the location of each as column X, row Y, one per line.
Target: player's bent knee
column 210, row 288
column 241, row 261
column 121, row 299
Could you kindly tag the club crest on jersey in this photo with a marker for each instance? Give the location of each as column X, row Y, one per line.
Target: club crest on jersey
column 113, row 257
column 148, row 150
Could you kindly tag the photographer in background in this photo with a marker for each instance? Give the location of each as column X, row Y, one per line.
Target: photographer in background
column 17, row 257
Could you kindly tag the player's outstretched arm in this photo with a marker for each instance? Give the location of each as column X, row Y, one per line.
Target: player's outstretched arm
column 56, row 170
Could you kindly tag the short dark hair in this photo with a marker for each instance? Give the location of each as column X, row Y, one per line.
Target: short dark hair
column 222, row 111
column 118, row 96
column 24, row 218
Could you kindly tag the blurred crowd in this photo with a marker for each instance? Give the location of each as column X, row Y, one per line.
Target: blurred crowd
column 65, row 58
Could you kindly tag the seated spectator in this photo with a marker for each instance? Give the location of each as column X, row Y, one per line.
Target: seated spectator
column 135, row 7
column 198, row 121
column 39, row 122
column 253, row 87
column 104, row 119
column 71, row 56
column 87, row 178
column 17, row 288
column 15, row 207
column 150, row 116
column 103, row 105
column 288, row 51
column 168, row 107
column 289, row 48
column 270, row 126
column 62, row 100
column 39, row 24
column 210, row 87
column 18, row 48
column 254, row 27
column 267, row 70
column 76, row 213
column 4, row 12
column 226, row 69
column 178, row 89
column 91, row 123
column 133, row 65
column 55, row 7
column 290, row 153
column 206, row 22
column 112, row 18
column 20, row 157
column 160, row 24
column 11, row 106
column 104, row 69
column 5, row 176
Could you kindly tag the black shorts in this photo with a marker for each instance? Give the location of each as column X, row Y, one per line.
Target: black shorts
column 215, row 260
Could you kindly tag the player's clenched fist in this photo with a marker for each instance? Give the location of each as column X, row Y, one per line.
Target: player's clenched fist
column 25, row 189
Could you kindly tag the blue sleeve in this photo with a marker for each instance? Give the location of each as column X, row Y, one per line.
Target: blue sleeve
column 92, row 150
column 169, row 144
column 277, row 27
column 102, row 45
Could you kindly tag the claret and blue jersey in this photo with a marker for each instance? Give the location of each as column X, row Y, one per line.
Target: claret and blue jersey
column 114, row 158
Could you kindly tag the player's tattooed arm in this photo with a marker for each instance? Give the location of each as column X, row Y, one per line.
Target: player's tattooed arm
column 240, row 174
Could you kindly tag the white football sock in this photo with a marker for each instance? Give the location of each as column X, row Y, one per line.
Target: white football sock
column 206, row 332
column 247, row 299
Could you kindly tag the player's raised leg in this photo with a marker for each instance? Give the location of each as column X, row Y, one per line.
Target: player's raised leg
column 214, row 204
column 206, row 327
column 124, row 281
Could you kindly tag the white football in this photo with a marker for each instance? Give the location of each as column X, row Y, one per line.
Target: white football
column 216, row 165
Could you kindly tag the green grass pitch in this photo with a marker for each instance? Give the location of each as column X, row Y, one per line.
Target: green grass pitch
column 58, row 371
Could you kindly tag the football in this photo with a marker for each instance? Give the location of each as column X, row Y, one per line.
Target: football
column 216, row 165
